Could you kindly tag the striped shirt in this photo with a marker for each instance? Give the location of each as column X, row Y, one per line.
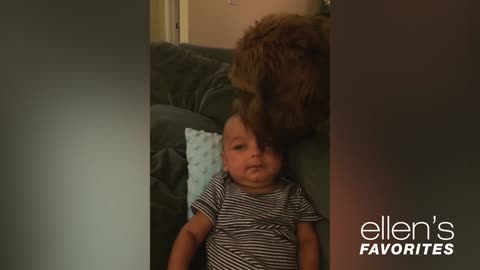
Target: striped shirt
column 253, row 231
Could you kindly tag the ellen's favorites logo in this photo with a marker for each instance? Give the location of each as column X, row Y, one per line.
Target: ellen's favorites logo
column 402, row 238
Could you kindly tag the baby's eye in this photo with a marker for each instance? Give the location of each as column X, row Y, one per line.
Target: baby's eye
column 240, row 147
column 268, row 148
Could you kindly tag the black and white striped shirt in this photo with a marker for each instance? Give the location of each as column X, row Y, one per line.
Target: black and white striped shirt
column 253, row 231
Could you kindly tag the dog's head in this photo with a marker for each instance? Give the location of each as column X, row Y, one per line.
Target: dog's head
column 281, row 69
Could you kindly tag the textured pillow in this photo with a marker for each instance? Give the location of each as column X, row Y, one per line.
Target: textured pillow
column 204, row 160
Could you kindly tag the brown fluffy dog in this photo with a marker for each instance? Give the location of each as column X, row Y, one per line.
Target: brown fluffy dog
column 281, row 69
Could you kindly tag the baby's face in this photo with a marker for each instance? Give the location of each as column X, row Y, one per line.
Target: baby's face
column 243, row 158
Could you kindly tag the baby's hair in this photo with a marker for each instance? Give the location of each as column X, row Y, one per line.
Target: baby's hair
column 263, row 141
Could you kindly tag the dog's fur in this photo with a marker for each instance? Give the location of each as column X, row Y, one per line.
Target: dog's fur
column 281, row 69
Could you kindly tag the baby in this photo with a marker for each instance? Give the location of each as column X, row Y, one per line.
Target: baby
column 250, row 216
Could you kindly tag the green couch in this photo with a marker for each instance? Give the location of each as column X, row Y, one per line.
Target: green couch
column 190, row 88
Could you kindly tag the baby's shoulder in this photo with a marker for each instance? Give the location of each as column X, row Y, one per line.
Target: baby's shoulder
column 292, row 188
column 221, row 179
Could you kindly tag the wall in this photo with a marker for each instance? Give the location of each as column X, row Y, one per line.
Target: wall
column 216, row 23
column 157, row 20
column 184, row 21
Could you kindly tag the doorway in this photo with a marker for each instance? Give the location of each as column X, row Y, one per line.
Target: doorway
column 172, row 21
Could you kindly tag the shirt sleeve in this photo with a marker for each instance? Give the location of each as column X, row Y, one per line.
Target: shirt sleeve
column 211, row 199
column 306, row 211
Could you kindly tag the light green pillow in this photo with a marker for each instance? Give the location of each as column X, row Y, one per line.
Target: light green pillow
column 203, row 152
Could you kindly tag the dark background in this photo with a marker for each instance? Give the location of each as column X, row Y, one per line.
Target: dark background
column 404, row 125
column 74, row 111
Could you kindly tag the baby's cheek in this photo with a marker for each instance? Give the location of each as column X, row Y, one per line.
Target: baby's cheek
column 275, row 162
column 238, row 170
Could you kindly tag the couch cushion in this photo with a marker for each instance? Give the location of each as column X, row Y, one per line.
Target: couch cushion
column 168, row 178
column 168, row 123
column 217, row 101
column 219, row 54
column 179, row 76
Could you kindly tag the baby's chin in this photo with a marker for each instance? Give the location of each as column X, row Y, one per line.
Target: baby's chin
column 255, row 174
column 258, row 178
column 253, row 177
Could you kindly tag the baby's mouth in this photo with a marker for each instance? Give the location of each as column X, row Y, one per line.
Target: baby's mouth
column 256, row 166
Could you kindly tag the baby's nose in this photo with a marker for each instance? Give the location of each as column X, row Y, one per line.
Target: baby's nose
column 256, row 151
